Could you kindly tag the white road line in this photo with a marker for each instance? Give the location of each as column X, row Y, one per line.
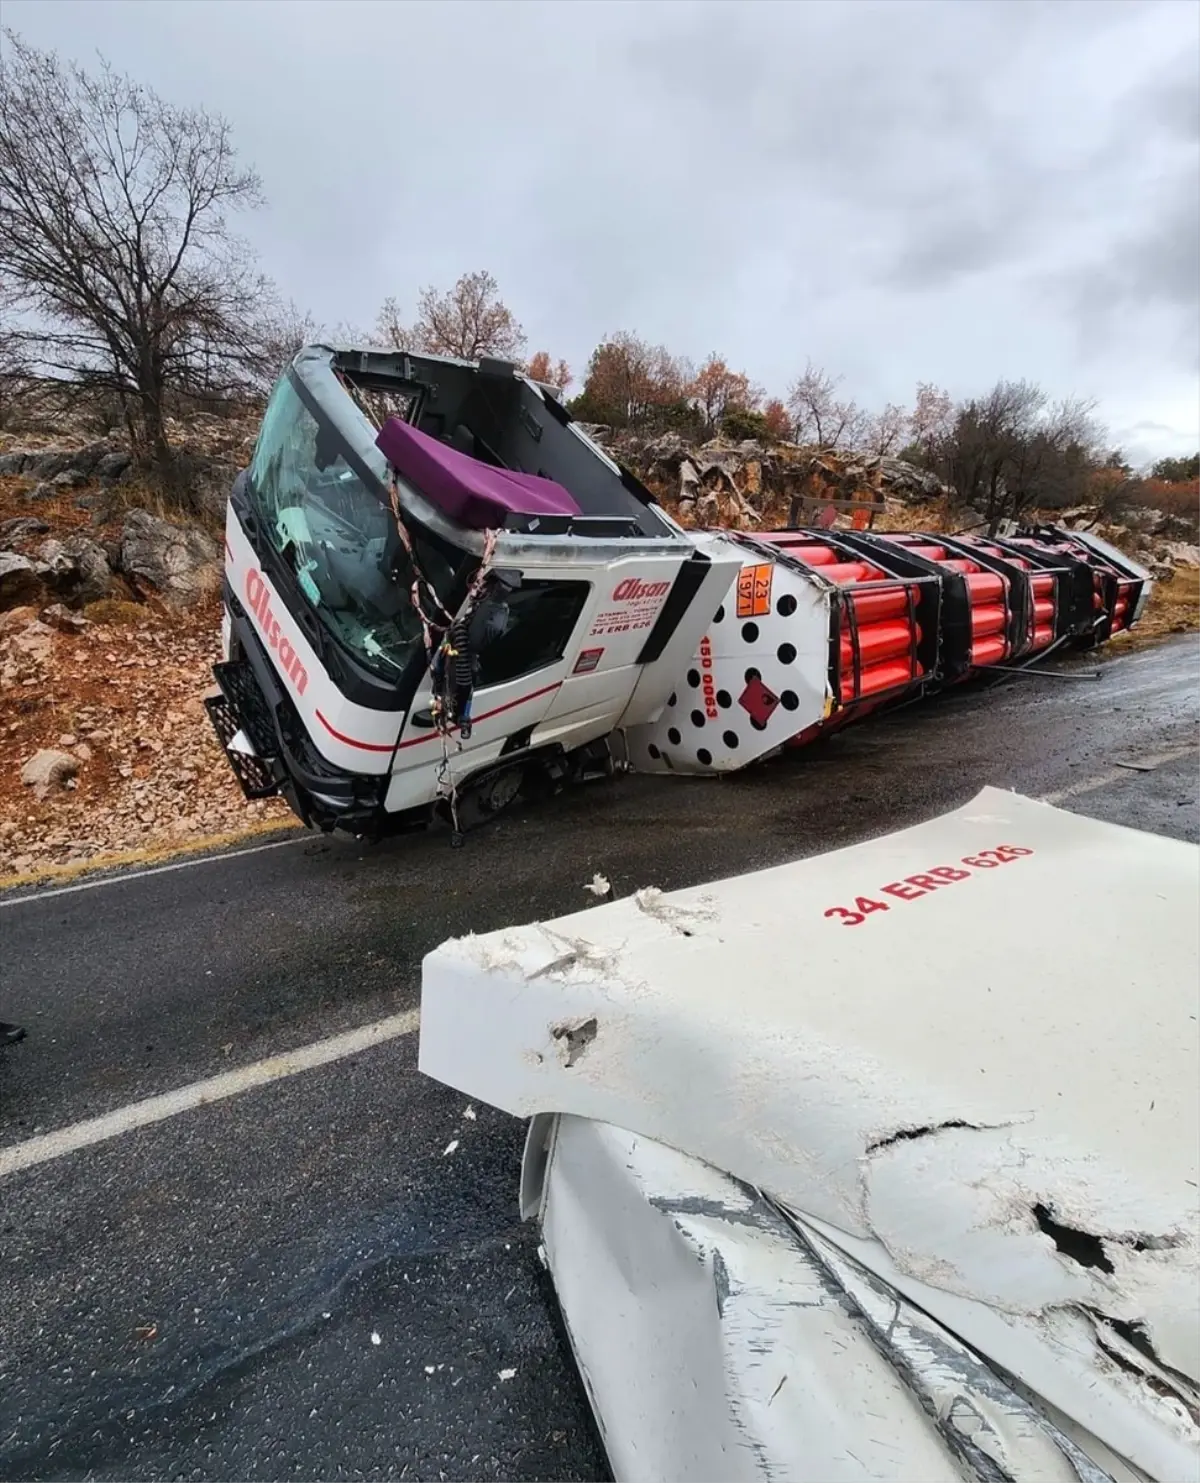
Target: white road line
column 201, row 1093
column 121, row 876
column 1114, row 775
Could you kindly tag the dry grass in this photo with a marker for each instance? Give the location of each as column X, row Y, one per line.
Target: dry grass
column 1174, row 607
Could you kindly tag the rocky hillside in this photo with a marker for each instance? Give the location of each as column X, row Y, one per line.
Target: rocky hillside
column 110, row 619
column 109, row 623
column 750, row 484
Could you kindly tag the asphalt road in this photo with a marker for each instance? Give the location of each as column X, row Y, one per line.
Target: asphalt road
column 300, row 1281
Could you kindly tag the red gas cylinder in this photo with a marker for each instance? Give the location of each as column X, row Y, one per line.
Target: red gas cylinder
column 801, row 547
column 987, row 620
column 878, row 641
column 989, row 650
column 984, row 585
column 851, row 571
column 877, row 677
column 930, row 553
column 1043, row 610
column 874, row 607
column 1043, row 636
column 1043, row 586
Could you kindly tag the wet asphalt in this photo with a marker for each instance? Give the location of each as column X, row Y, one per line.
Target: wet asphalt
column 300, row 1282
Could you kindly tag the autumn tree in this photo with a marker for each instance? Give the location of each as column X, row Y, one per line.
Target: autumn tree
column 468, row 321
column 632, row 384
column 819, row 415
column 776, row 422
column 115, row 245
column 543, row 370
column 717, row 391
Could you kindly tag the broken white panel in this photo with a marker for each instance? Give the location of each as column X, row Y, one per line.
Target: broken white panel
column 716, row 1341
column 779, row 638
column 709, row 1346
column 968, row 1049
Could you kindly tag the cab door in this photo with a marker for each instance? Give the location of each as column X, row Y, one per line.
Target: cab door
column 521, row 672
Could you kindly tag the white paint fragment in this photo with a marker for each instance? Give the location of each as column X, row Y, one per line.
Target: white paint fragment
column 430, row 1369
column 942, row 1125
column 599, row 885
column 450, row 1147
column 469, row 1113
column 375, row 1338
column 507, row 1374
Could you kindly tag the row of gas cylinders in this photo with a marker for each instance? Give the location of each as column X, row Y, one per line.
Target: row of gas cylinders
column 988, row 595
column 1121, row 616
column 884, row 621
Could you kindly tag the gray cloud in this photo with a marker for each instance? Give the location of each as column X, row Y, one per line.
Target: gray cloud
column 900, row 190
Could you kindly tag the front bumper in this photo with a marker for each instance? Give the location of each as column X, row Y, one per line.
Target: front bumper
column 268, row 749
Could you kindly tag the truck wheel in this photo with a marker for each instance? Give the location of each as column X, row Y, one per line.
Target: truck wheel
column 479, row 801
column 496, row 792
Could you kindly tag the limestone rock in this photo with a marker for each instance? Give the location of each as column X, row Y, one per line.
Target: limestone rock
column 47, row 770
column 22, row 580
column 179, row 562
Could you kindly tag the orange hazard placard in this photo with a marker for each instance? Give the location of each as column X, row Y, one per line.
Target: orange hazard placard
column 754, row 591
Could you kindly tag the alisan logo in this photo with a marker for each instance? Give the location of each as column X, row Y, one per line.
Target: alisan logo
column 633, row 589
column 260, row 605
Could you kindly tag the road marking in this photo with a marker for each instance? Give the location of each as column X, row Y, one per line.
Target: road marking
column 62, row 1141
column 1115, row 775
column 136, row 875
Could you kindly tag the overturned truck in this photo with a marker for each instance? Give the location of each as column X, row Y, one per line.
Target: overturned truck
column 439, row 593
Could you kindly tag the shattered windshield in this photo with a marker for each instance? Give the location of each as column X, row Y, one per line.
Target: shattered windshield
column 339, row 537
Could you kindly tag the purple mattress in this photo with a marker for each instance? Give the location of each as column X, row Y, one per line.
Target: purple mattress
column 472, row 493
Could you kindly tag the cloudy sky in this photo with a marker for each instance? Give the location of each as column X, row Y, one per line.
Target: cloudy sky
column 950, row 192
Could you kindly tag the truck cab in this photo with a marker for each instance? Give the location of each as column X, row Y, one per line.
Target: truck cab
column 436, row 586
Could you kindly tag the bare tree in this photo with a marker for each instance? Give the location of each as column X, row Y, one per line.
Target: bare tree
column 282, row 331
column 932, row 416
column 881, row 434
column 390, row 329
column 467, row 321
column 14, row 362
column 1012, row 450
column 819, row 415
column 114, row 238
